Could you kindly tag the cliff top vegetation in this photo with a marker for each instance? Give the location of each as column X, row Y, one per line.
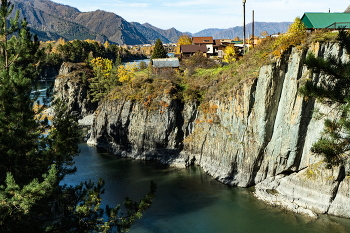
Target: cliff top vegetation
column 202, row 79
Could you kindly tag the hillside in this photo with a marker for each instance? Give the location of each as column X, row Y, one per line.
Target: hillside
column 259, row 27
column 149, row 33
column 172, row 34
column 51, row 20
column 114, row 27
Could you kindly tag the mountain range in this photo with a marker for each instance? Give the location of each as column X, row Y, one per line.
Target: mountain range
column 51, row 21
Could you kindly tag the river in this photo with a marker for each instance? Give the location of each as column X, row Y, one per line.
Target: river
column 189, row 200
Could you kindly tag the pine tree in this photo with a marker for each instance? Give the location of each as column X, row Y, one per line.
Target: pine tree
column 333, row 89
column 19, row 132
column 159, row 50
column 35, row 156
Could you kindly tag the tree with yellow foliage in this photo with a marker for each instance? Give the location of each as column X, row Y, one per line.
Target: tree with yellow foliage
column 183, row 40
column 103, row 79
column 295, row 35
column 106, row 44
column 107, row 76
column 298, row 27
column 126, row 72
column 230, row 54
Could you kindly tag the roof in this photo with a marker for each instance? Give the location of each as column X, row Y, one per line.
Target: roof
column 193, row 48
column 217, row 43
column 166, row 63
column 324, row 20
column 203, row 40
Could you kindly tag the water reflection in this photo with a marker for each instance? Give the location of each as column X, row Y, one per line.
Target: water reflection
column 188, row 200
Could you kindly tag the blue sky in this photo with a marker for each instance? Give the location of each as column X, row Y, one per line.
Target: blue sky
column 196, row 15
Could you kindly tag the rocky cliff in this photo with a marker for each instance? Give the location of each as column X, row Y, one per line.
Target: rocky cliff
column 260, row 135
column 71, row 86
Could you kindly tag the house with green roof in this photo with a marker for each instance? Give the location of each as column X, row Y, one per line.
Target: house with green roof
column 326, row 20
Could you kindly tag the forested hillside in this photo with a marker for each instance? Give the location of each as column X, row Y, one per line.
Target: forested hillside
column 50, row 21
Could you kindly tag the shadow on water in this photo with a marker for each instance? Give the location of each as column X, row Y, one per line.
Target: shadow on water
column 188, row 200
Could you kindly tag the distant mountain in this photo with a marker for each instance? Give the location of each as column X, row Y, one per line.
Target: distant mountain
column 149, row 33
column 111, row 25
column 51, row 21
column 208, row 32
column 171, row 34
column 259, row 27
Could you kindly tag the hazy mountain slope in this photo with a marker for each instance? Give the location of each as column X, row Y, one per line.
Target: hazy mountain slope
column 113, row 26
column 271, row 28
column 52, row 8
column 70, row 23
column 49, row 26
column 171, row 34
column 150, row 34
column 51, row 20
column 208, row 32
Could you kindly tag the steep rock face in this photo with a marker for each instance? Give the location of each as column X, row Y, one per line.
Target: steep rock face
column 261, row 134
column 71, row 87
column 128, row 129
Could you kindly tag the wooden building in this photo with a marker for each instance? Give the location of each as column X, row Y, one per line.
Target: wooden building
column 188, row 50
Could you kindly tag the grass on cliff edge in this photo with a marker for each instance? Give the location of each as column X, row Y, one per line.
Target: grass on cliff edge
column 201, row 84
column 209, row 81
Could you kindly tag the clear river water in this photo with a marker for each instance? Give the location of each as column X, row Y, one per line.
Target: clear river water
column 189, row 200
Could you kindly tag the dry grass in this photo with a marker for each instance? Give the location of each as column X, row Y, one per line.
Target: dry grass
column 207, row 80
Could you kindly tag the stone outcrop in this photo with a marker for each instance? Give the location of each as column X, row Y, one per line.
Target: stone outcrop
column 71, row 86
column 260, row 135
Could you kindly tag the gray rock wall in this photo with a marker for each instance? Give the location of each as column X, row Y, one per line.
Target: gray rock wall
column 71, row 87
column 261, row 135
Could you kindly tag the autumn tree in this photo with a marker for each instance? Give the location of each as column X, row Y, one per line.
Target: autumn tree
column 108, row 75
column 183, row 40
column 103, row 79
column 230, row 54
column 297, row 27
column 295, row 35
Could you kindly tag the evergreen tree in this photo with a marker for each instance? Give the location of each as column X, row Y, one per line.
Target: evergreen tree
column 159, row 50
column 332, row 88
column 19, row 150
column 35, row 156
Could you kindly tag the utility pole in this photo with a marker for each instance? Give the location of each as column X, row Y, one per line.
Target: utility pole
column 244, row 1
column 253, row 30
